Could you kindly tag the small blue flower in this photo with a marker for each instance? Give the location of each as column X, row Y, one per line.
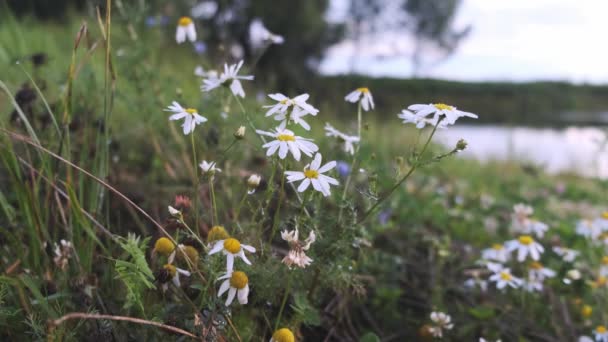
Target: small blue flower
column 343, row 168
column 200, row 47
column 384, row 216
column 151, row 21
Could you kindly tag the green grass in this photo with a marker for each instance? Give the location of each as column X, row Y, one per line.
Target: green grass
column 376, row 280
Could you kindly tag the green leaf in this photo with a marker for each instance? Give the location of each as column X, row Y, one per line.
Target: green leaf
column 482, row 312
column 369, row 337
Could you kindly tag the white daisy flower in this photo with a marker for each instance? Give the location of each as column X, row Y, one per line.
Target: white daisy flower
column 259, row 35
column 497, row 252
column 190, row 116
column 173, row 273
column 185, row 30
column 174, row 212
column 297, row 255
column 525, row 245
column 503, row 278
column 539, row 272
column 237, row 285
column 450, row 113
column 348, row 140
column 313, row 174
column 441, row 321
column 229, row 78
column 200, row 72
column 362, row 94
column 63, row 253
column 300, row 108
column 232, row 248
column 287, row 141
column 419, row 121
column 601, row 334
column 209, row 168
column 567, row 254
column 588, row 229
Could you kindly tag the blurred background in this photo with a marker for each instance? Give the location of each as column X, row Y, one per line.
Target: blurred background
column 534, row 71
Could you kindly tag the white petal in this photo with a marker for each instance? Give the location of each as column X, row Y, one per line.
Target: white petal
column 327, row 166
column 218, row 246
column 304, row 185
column 243, row 294
column 224, row 287
column 231, row 294
column 242, row 255
column 316, row 162
column 248, row 248
column 229, row 262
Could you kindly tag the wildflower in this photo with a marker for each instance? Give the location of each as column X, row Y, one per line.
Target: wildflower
column 287, row 141
column 419, row 121
column 441, row 321
column 200, row 47
column 170, row 272
column 475, row 280
column 237, row 284
column 497, row 252
column 174, row 212
column 540, row 272
column 601, row 281
column 313, row 174
column 188, row 254
column 185, row 29
column 525, row 245
column 190, row 116
column 297, row 255
column 63, row 254
column 450, row 113
column 217, row 233
column 567, row 254
column 240, row 133
column 209, row 168
column 343, row 168
column 586, row 311
column 232, row 248
column 164, row 246
column 182, row 203
column 300, row 108
column 200, row 72
column 503, row 277
column 260, row 36
column 228, row 78
column 283, row 335
column 363, row 95
column 252, row 183
column 571, row 275
column 348, row 140
column 588, row 229
column 601, row 334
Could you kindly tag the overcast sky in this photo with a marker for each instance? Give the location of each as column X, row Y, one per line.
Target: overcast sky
column 516, row 40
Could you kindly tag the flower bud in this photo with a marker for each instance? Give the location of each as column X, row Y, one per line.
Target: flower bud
column 240, row 133
column 253, row 182
column 461, row 145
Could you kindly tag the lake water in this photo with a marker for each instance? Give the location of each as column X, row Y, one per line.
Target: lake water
column 583, row 150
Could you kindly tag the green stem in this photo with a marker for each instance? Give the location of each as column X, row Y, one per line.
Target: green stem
column 238, row 209
column 352, row 165
column 214, row 219
column 412, row 169
column 278, row 322
column 196, row 180
column 281, row 195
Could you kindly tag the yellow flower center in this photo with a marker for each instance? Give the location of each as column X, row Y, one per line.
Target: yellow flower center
column 601, row 281
column 605, row 215
column 443, row 106
column 283, row 335
column 217, row 233
column 191, row 111
column 535, row 265
column 238, row 280
column 311, row 174
column 164, row 246
column 506, row 276
column 171, row 270
column 363, row 90
column 286, row 137
column 232, row 245
column 285, row 102
column 497, row 246
column 526, row 240
column 184, row 21
column 605, row 260
column 586, row 311
column 188, row 252
column 600, row 329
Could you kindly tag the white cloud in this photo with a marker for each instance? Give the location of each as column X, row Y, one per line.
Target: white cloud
column 511, row 40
